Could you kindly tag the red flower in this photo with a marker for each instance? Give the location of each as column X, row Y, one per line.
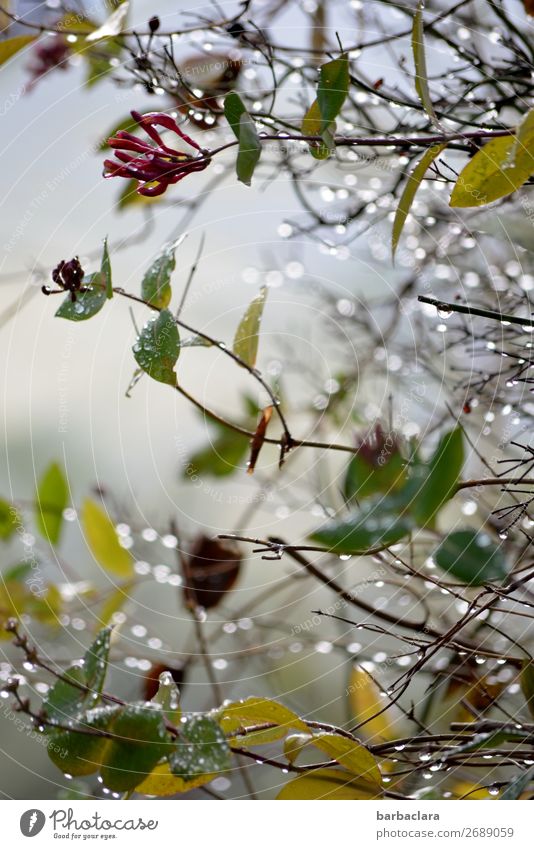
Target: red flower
column 155, row 166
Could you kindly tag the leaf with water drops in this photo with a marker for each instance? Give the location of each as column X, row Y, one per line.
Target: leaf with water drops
column 168, row 697
column 258, row 711
column 156, row 284
column 201, row 748
column 103, row 541
column 471, row 557
column 246, row 338
column 382, row 522
column 140, row 740
column 162, row 782
column 65, row 700
column 81, row 750
column 334, row 80
column 311, row 126
column 350, row 754
column 51, row 498
column 89, row 302
column 408, row 195
column 329, row 784
column 249, row 151
column 158, row 347
column 492, row 173
column 439, row 478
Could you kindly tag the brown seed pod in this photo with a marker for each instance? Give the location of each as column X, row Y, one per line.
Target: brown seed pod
column 213, row 568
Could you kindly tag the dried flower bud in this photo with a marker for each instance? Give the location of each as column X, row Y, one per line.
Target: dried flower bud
column 153, row 24
column 68, row 275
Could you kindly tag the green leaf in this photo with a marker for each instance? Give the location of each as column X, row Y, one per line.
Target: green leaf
column 311, row 126
column 95, row 662
column 51, row 498
column 249, row 149
column 518, row 785
column 334, row 80
column 78, row 753
column 246, row 337
column 201, row 749
column 492, row 173
column 383, row 521
column 156, row 288
column 105, row 270
column 408, row 195
column 471, row 557
column 328, row 784
column 9, row 519
column 527, row 684
column 439, row 478
column 158, row 346
column 88, row 303
column 103, row 541
column 64, row 701
column 11, row 46
column 419, row 58
column 245, row 132
column 168, row 697
column 234, row 108
column 140, row 741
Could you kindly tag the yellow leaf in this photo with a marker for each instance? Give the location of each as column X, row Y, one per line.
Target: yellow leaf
column 350, row 754
column 247, row 334
column 161, row 782
column 493, row 173
column 419, row 58
column 257, row 711
column 366, row 701
column 328, row 784
column 408, row 195
column 466, row 790
column 10, row 46
column 103, row 541
column 114, row 602
column 311, row 126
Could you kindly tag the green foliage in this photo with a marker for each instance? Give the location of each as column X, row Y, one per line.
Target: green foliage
column 419, row 58
column 156, row 284
column 201, row 749
column 408, row 195
column 249, row 151
column 415, row 502
column 334, row 80
column 158, row 346
column 81, row 685
column 247, row 334
column 87, row 303
column 472, row 557
column 51, row 498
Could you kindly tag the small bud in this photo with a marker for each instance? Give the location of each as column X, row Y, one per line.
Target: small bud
column 153, row 24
